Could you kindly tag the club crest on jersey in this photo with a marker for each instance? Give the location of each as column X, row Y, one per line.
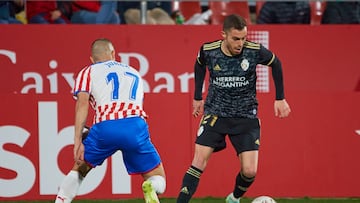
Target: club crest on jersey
column 245, row 64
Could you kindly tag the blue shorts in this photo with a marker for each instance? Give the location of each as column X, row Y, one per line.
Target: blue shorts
column 130, row 136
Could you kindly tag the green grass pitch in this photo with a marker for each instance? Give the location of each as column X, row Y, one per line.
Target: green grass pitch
column 207, row 200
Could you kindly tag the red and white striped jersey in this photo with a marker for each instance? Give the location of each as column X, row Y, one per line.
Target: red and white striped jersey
column 116, row 90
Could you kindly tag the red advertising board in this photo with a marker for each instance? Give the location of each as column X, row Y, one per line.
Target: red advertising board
column 312, row 153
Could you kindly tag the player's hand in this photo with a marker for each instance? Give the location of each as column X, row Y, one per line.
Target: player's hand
column 198, row 107
column 282, row 108
column 78, row 152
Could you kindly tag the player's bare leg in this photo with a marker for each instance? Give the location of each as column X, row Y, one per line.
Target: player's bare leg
column 249, row 163
column 192, row 176
column 70, row 185
column 154, row 184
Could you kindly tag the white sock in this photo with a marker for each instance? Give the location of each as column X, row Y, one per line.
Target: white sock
column 69, row 187
column 158, row 183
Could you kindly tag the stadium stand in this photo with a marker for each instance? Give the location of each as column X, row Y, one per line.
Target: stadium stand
column 222, row 8
column 317, row 10
column 188, row 8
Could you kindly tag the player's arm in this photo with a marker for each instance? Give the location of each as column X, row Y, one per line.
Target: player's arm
column 81, row 113
column 281, row 107
column 199, row 72
column 81, row 95
column 268, row 58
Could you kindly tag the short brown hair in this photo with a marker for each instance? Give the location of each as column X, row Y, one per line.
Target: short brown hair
column 234, row 21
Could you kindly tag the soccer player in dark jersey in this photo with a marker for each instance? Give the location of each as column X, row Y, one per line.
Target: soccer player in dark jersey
column 230, row 107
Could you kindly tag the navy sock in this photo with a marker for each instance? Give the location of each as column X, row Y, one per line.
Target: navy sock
column 242, row 184
column 189, row 184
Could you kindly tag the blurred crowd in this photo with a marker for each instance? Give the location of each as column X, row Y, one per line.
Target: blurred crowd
column 177, row 12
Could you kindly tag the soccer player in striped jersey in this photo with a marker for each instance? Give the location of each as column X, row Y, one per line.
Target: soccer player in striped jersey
column 230, row 107
column 115, row 91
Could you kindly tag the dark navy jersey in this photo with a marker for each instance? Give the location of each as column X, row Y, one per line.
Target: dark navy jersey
column 232, row 79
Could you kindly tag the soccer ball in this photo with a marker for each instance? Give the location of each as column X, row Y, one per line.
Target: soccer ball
column 263, row 199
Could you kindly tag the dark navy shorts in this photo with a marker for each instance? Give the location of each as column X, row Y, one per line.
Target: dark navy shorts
column 244, row 133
